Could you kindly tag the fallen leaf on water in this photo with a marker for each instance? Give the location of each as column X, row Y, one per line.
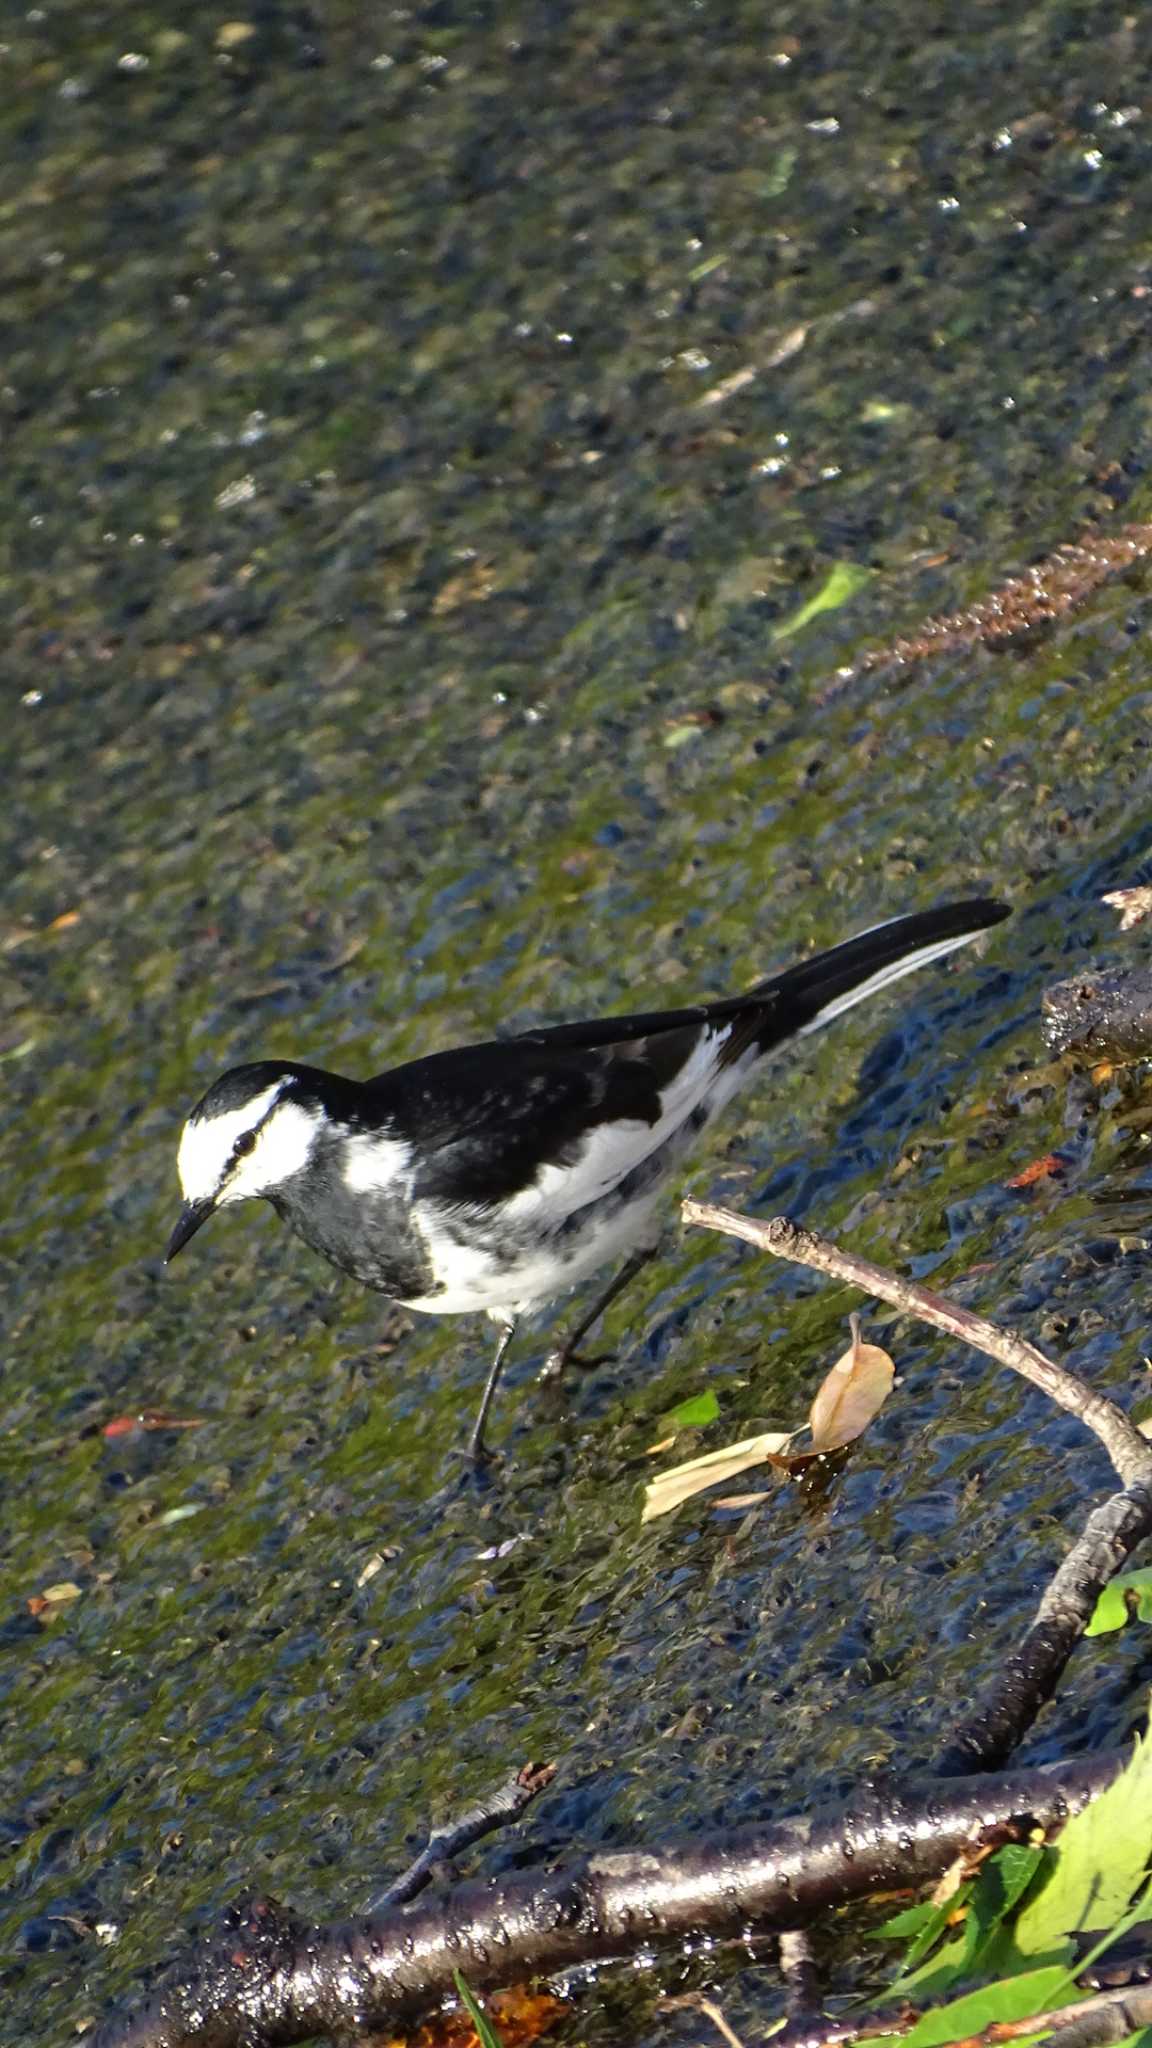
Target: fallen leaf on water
column 694, row 1413
column 1134, row 905
column 843, row 580
column 124, row 1425
column 54, row 1597
column 1039, row 1169
column 854, row 1391
column 851, row 1395
column 681, row 1482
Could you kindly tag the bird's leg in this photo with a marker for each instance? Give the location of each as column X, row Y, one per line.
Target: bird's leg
column 478, row 1450
column 567, row 1352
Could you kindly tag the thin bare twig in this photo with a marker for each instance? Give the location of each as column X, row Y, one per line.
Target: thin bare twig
column 1131, row 1453
column 506, row 1803
column 1031, row 1673
column 695, row 2001
column 806, row 2019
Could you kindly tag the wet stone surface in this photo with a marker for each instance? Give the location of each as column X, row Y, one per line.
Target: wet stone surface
column 416, row 426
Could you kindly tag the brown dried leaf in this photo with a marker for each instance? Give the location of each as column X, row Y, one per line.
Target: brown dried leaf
column 1038, row 1169
column 854, row 1391
column 520, row 2016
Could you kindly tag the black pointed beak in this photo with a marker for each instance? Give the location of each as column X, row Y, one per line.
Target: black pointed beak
column 192, row 1215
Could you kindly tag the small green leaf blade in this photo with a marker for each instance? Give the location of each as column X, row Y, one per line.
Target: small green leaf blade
column 998, row 1889
column 843, row 580
column 902, row 1926
column 694, row 1413
column 485, row 2031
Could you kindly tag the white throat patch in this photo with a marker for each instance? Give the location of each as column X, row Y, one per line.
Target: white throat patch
column 281, row 1149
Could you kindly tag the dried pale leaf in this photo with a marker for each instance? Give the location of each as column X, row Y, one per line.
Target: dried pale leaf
column 681, row 1482
column 1134, row 905
column 741, row 1500
column 854, row 1391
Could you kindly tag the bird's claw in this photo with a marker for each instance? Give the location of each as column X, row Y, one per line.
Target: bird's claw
column 477, row 1460
column 555, row 1365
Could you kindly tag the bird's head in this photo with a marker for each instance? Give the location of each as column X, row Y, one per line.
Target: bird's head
column 252, row 1131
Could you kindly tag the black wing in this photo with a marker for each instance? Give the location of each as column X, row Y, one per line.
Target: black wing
column 483, row 1120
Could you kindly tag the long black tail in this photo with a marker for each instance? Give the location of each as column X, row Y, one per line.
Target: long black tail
column 804, row 997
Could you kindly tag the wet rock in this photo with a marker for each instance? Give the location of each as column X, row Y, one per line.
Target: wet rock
column 1103, row 1013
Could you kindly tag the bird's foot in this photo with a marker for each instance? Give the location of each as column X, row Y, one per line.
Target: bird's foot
column 476, row 1460
column 556, row 1364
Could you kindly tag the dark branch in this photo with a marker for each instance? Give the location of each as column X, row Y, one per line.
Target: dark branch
column 275, row 1980
column 1031, row 1672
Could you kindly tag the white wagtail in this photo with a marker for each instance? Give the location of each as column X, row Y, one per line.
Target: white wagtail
column 497, row 1176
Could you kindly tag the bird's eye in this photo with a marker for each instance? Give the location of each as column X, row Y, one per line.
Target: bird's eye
column 245, row 1144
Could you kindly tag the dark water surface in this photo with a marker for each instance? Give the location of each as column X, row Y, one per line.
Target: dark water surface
column 377, row 524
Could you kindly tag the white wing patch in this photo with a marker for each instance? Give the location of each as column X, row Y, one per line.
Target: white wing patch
column 612, row 1151
column 372, row 1164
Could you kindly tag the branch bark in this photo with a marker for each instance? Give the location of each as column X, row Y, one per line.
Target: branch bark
column 1131, row 1453
column 274, row 1979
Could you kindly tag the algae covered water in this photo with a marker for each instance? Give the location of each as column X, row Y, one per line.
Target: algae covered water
column 425, row 433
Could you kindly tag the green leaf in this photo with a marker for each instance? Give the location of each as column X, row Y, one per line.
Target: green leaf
column 1012, row 1998
column 1111, row 1611
column 1100, row 1859
column 998, row 1889
column 929, row 1978
column 843, row 580
column 1137, row 1912
column 693, row 1413
column 782, row 168
column 926, row 1939
column 905, row 1924
column 485, row 2031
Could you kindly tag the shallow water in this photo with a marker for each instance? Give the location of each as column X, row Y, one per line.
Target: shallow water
column 390, row 574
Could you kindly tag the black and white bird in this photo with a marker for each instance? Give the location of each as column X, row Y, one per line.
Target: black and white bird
column 498, row 1176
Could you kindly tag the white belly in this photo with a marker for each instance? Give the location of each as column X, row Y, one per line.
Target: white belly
column 506, row 1279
